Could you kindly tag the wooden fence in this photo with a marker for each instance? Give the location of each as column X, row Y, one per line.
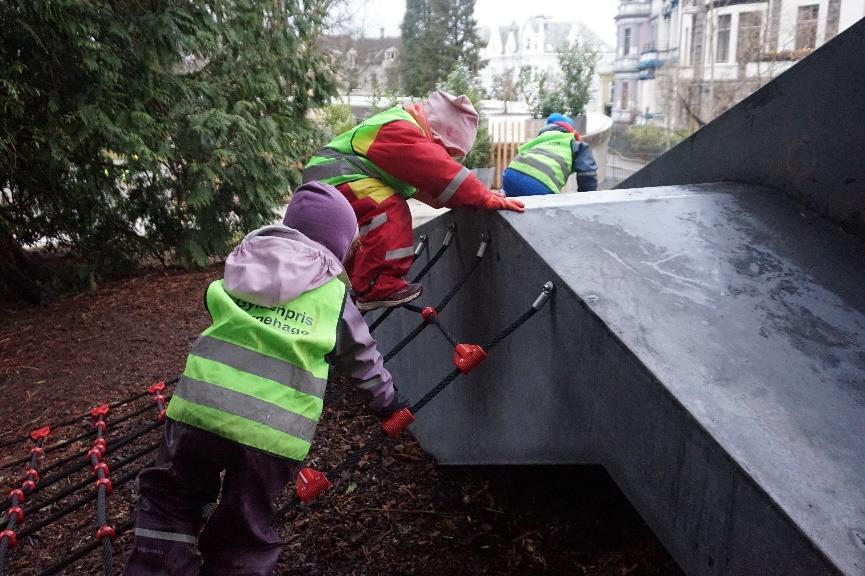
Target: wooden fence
column 506, row 138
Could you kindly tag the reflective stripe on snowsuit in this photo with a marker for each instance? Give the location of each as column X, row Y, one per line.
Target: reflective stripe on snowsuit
column 547, row 158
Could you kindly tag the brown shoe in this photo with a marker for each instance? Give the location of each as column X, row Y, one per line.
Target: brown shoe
column 402, row 296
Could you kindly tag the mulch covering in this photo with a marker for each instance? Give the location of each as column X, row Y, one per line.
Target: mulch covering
column 397, row 513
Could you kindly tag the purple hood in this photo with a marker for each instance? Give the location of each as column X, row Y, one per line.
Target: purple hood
column 276, row 264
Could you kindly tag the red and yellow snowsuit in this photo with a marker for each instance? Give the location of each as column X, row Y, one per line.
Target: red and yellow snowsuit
column 378, row 165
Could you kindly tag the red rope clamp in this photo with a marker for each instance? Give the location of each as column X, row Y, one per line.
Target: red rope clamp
column 38, row 450
column 161, row 416
column 397, row 422
column 97, row 451
column 28, row 485
column 100, row 425
column 107, row 483
column 467, row 356
column 40, row 433
column 429, row 314
column 310, row 484
column 157, row 387
column 101, row 466
column 17, row 493
column 17, row 512
column 100, row 411
column 32, row 474
column 11, row 536
column 100, row 443
column 105, row 531
column 158, row 399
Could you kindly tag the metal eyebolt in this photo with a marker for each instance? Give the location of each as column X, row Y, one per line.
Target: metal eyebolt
column 485, row 241
column 543, row 298
column 449, row 236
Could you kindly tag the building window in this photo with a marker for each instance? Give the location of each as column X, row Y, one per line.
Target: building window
column 722, row 53
column 832, row 17
column 624, row 102
column 748, row 43
column 627, row 42
column 686, row 47
column 694, row 55
column 806, row 27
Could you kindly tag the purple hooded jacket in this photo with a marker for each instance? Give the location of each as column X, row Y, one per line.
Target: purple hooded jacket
column 277, row 263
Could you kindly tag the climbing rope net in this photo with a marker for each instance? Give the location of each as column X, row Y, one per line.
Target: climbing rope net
column 89, row 476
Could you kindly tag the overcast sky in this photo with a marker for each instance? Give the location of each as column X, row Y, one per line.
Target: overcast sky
column 371, row 15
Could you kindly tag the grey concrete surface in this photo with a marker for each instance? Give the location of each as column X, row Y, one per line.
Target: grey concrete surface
column 706, row 345
column 801, row 134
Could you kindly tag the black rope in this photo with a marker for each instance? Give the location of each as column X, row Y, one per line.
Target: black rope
column 69, row 470
column 423, row 272
column 73, row 506
column 81, row 552
column 441, row 306
column 74, row 439
column 352, row 459
column 75, row 419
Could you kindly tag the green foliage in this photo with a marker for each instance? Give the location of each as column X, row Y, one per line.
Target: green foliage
column 336, row 119
column 566, row 94
column 462, row 81
column 437, row 34
column 382, row 99
column 506, row 87
column 577, row 64
column 163, row 128
column 648, row 139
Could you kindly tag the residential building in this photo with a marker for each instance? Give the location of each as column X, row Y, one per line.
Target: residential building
column 537, row 43
column 362, row 63
column 681, row 63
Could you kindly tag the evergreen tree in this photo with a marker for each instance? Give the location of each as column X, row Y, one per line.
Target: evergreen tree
column 164, row 128
column 437, row 35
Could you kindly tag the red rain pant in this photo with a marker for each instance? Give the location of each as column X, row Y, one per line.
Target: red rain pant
column 385, row 254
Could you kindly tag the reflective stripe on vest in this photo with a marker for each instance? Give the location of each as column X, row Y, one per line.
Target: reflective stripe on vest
column 257, row 376
column 547, row 158
column 344, row 158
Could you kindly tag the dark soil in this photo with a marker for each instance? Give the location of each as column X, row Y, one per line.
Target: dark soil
column 397, row 513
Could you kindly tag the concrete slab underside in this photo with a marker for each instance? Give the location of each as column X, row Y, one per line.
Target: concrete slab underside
column 706, row 345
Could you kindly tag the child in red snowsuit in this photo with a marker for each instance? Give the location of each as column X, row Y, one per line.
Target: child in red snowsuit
column 400, row 153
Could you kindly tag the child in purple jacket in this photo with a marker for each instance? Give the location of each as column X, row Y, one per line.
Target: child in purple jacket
column 271, row 268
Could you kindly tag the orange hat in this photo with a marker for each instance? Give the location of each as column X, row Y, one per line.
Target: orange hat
column 453, row 121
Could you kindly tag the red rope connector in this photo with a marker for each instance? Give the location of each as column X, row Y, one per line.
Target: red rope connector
column 100, row 443
column 17, row 493
column 100, row 425
column 97, row 451
column 429, row 314
column 11, row 536
column 17, row 512
column 101, row 466
column 157, row 398
column 107, row 483
column 100, row 411
column 28, row 485
column 105, row 531
column 40, row 433
column 38, row 450
column 161, row 416
column 310, row 484
column 156, row 387
column 397, row 422
column 32, row 474
column 467, row 356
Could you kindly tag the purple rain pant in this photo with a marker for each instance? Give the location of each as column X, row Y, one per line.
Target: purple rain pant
column 238, row 539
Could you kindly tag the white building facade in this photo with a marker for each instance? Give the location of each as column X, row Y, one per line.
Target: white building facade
column 681, row 63
column 537, row 43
